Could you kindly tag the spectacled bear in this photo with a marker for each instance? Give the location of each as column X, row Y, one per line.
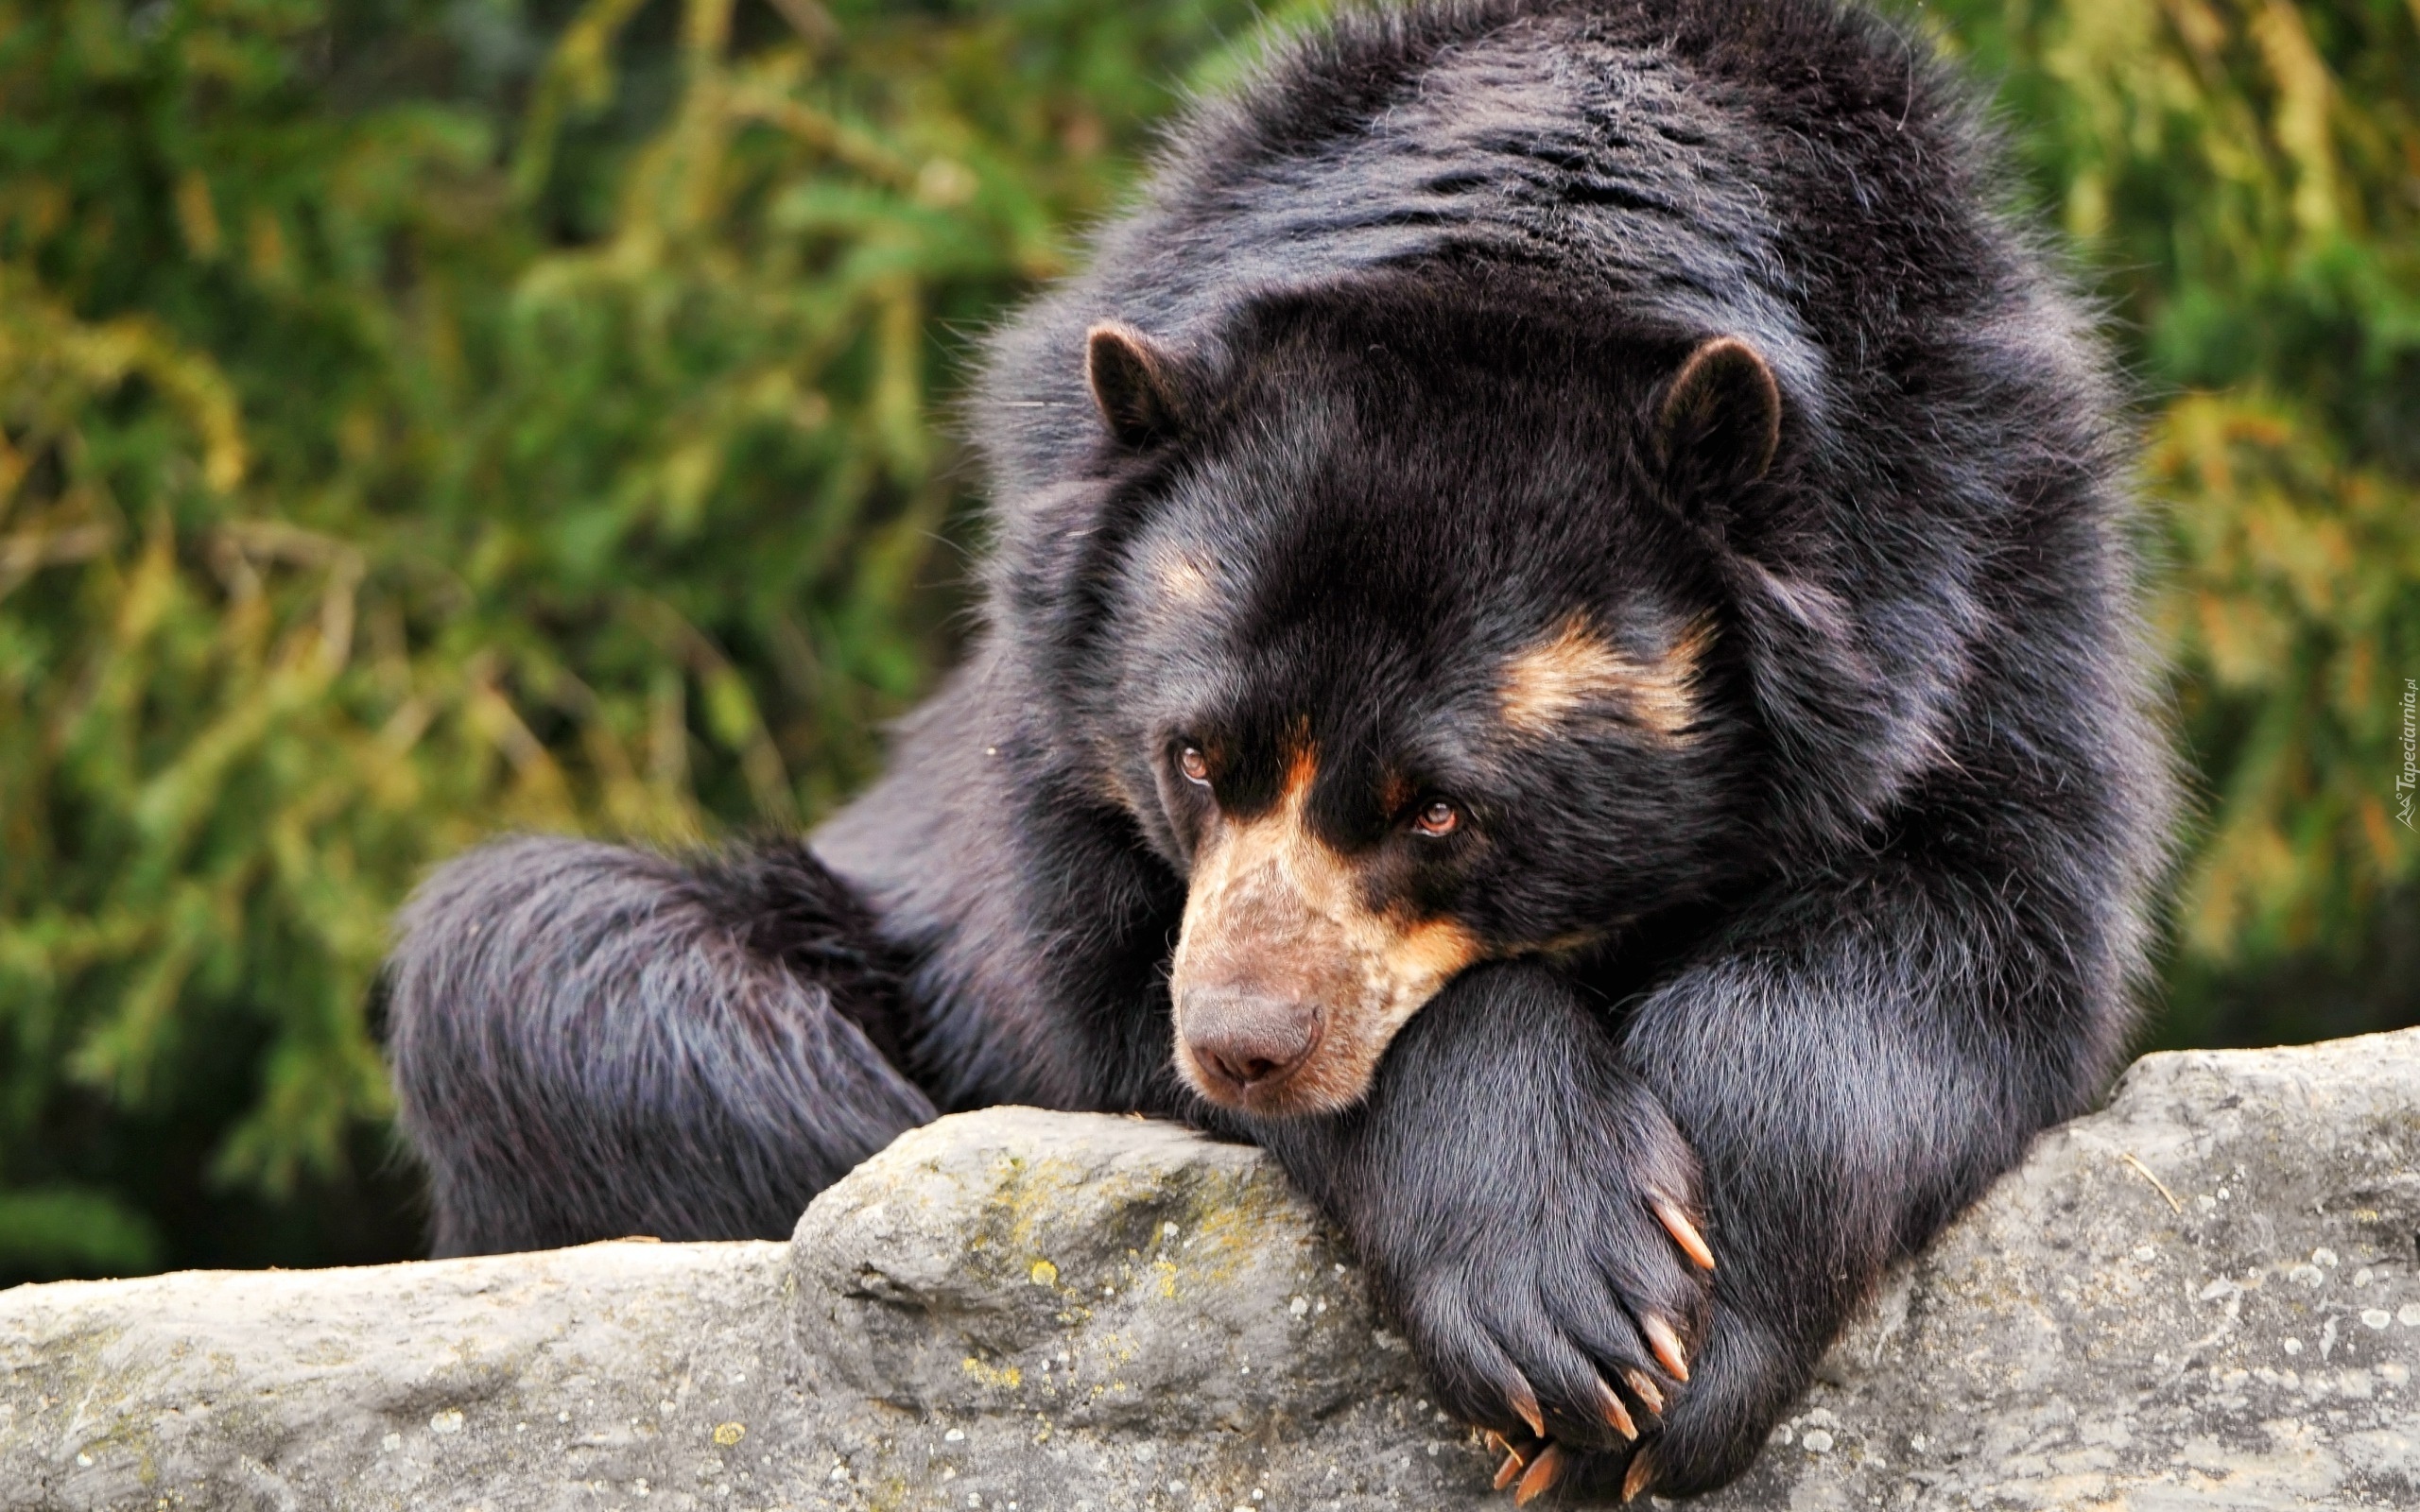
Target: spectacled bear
column 1559, row 650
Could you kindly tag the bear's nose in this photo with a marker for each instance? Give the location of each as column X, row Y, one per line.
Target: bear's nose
column 1246, row 1039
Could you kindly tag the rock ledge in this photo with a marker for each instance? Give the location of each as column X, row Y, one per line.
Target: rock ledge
column 2205, row 1297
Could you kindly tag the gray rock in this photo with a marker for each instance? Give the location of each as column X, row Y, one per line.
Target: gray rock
column 1098, row 1315
column 517, row 1382
column 2207, row 1296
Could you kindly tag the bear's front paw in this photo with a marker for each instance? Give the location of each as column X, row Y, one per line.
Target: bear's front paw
column 1566, row 1325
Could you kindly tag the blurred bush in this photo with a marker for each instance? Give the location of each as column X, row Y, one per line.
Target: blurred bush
column 420, row 417
column 2243, row 178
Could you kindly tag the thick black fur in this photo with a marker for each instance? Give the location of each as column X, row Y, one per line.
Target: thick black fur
column 591, row 1043
column 1822, row 967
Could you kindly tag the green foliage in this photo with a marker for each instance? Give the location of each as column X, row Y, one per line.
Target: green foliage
column 421, row 417
column 2246, row 173
column 70, row 1230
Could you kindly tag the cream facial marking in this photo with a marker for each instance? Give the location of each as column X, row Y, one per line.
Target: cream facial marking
column 1273, row 916
column 1184, row 577
column 1576, row 671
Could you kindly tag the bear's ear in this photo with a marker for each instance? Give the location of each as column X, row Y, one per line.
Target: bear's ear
column 1719, row 423
column 1133, row 381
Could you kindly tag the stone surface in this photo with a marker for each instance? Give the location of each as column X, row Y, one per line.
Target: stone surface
column 1101, row 1315
column 570, row 1379
column 2206, row 1296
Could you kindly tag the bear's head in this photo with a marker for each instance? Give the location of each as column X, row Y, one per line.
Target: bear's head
column 1404, row 644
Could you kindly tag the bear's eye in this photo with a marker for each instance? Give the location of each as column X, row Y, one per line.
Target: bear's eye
column 1437, row 816
column 1195, row 766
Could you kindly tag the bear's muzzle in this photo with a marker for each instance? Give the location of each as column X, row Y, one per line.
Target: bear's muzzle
column 1287, row 983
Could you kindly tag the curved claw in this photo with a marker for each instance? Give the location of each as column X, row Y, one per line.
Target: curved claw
column 1525, row 1403
column 1643, row 1387
column 1637, row 1477
column 1611, row 1407
column 1544, row 1472
column 1667, row 1345
column 1510, row 1469
column 1684, row 1232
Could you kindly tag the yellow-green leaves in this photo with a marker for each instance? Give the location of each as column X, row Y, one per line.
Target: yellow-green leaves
column 2241, row 174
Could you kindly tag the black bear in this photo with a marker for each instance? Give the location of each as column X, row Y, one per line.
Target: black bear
column 1559, row 651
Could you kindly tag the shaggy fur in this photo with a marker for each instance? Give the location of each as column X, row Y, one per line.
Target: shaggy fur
column 591, row 1043
column 1804, row 803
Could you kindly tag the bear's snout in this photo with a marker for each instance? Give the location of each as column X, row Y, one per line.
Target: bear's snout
column 1287, row 982
column 1245, row 1040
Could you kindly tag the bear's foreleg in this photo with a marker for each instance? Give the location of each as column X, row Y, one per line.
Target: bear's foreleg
column 1529, row 1210
column 1852, row 1071
column 589, row 1041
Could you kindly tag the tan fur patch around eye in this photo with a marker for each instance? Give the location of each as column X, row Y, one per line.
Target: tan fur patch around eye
column 1575, row 671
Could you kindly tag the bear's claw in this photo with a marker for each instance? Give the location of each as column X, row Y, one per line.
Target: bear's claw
column 1510, row 1469
column 1616, row 1414
column 1635, row 1479
column 1667, row 1346
column 1643, row 1387
column 1544, row 1472
column 1524, row 1402
column 1684, row 1232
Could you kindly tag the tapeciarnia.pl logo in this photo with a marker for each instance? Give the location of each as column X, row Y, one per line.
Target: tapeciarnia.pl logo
column 2406, row 780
